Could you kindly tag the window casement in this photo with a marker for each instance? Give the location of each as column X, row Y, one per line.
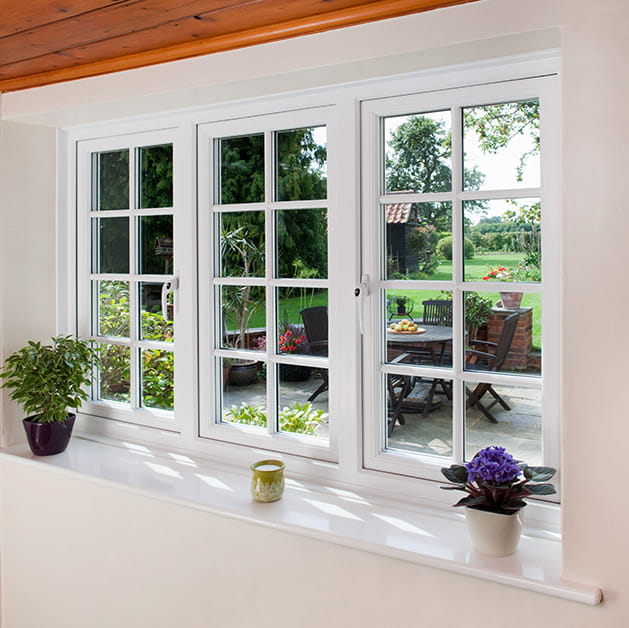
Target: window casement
column 446, row 165
column 264, row 209
column 127, row 214
column 361, row 204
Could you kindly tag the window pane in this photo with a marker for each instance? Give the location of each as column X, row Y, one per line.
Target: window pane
column 298, row 412
column 517, row 426
column 302, row 321
column 501, row 145
column 158, row 368
column 115, row 373
column 156, row 176
column 153, row 324
column 503, row 240
column 242, row 169
column 244, row 393
column 156, row 245
column 302, row 244
column 419, row 327
column 110, row 245
column 419, row 414
column 418, row 153
column 242, row 244
column 418, row 240
column 113, row 308
column 244, row 316
column 301, row 164
column 503, row 339
column 112, row 188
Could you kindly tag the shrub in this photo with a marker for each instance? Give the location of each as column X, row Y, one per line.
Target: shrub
column 299, row 418
column 444, row 248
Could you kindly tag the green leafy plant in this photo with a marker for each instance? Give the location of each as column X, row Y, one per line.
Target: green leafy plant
column 46, row 380
column 247, row 414
column 495, row 482
column 301, row 418
column 478, row 309
column 298, row 418
column 423, row 240
column 157, row 365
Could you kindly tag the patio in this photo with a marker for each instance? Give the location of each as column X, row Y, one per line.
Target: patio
column 519, row 430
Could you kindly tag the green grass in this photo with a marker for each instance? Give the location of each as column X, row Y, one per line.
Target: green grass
column 475, row 270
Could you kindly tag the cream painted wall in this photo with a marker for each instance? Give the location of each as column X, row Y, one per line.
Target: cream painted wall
column 27, row 240
column 129, row 552
column 111, row 559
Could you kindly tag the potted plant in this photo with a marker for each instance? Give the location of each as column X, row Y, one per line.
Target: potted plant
column 520, row 272
column 243, row 253
column 46, row 380
column 478, row 309
column 496, row 487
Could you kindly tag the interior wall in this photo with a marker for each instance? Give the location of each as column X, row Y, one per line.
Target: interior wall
column 136, row 551
column 77, row 554
column 27, row 247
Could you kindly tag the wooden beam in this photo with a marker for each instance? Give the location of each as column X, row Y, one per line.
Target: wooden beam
column 349, row 16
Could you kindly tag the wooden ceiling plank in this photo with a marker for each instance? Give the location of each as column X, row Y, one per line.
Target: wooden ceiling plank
column 367, row 12
column 230, row 20
column 21, row 15
column 95, row 26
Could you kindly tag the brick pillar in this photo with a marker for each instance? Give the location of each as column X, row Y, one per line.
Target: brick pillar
column 522, row 344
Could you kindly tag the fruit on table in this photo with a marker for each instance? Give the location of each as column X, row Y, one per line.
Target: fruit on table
column 404, row 325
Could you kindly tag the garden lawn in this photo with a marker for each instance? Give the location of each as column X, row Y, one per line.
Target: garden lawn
column 475, row 269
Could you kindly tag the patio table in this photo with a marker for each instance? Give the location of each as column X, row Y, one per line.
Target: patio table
column 430, row 344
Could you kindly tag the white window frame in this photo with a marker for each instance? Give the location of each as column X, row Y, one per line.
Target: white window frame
column 347, row 462
column 131, row 413
column 377, row 456
column 210, row 325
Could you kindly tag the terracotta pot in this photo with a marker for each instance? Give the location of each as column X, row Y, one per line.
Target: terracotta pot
column 47, row 439
column 511, row 300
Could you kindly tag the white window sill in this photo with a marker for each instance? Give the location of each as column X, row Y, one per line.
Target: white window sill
column 346, row 518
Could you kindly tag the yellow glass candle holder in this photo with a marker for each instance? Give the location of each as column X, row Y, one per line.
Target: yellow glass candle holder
column 267, row 482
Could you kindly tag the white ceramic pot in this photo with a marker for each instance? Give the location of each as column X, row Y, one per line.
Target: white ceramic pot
column 492, row 533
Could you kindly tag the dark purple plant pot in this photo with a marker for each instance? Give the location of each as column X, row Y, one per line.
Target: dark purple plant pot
column 47, row 439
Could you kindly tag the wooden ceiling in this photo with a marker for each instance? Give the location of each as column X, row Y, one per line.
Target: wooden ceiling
column 48, row 41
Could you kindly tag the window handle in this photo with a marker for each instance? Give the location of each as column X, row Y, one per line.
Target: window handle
column 361, row 292
column 168, row 286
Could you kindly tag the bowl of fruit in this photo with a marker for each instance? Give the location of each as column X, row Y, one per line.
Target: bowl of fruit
column 405, row 327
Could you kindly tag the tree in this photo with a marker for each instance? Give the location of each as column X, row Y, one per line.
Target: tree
column 417, row 161
column 496, row 125
column 300, row 175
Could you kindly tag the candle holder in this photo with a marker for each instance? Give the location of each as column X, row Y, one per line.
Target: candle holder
column 267, row 481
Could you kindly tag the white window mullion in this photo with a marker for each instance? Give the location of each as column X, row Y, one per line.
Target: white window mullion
column 134, row 297
column 270, row 238
column 458, row 310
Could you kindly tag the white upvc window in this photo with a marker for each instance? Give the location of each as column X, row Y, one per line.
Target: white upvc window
column 200, row 245
column 455, row 164
column 127, row 216
column 264, row 210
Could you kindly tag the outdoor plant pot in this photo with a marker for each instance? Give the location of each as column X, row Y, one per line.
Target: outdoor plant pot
column 47, row 439
column 492, row 533
column 511, row 299
column 294, row 373
column 243, row 374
